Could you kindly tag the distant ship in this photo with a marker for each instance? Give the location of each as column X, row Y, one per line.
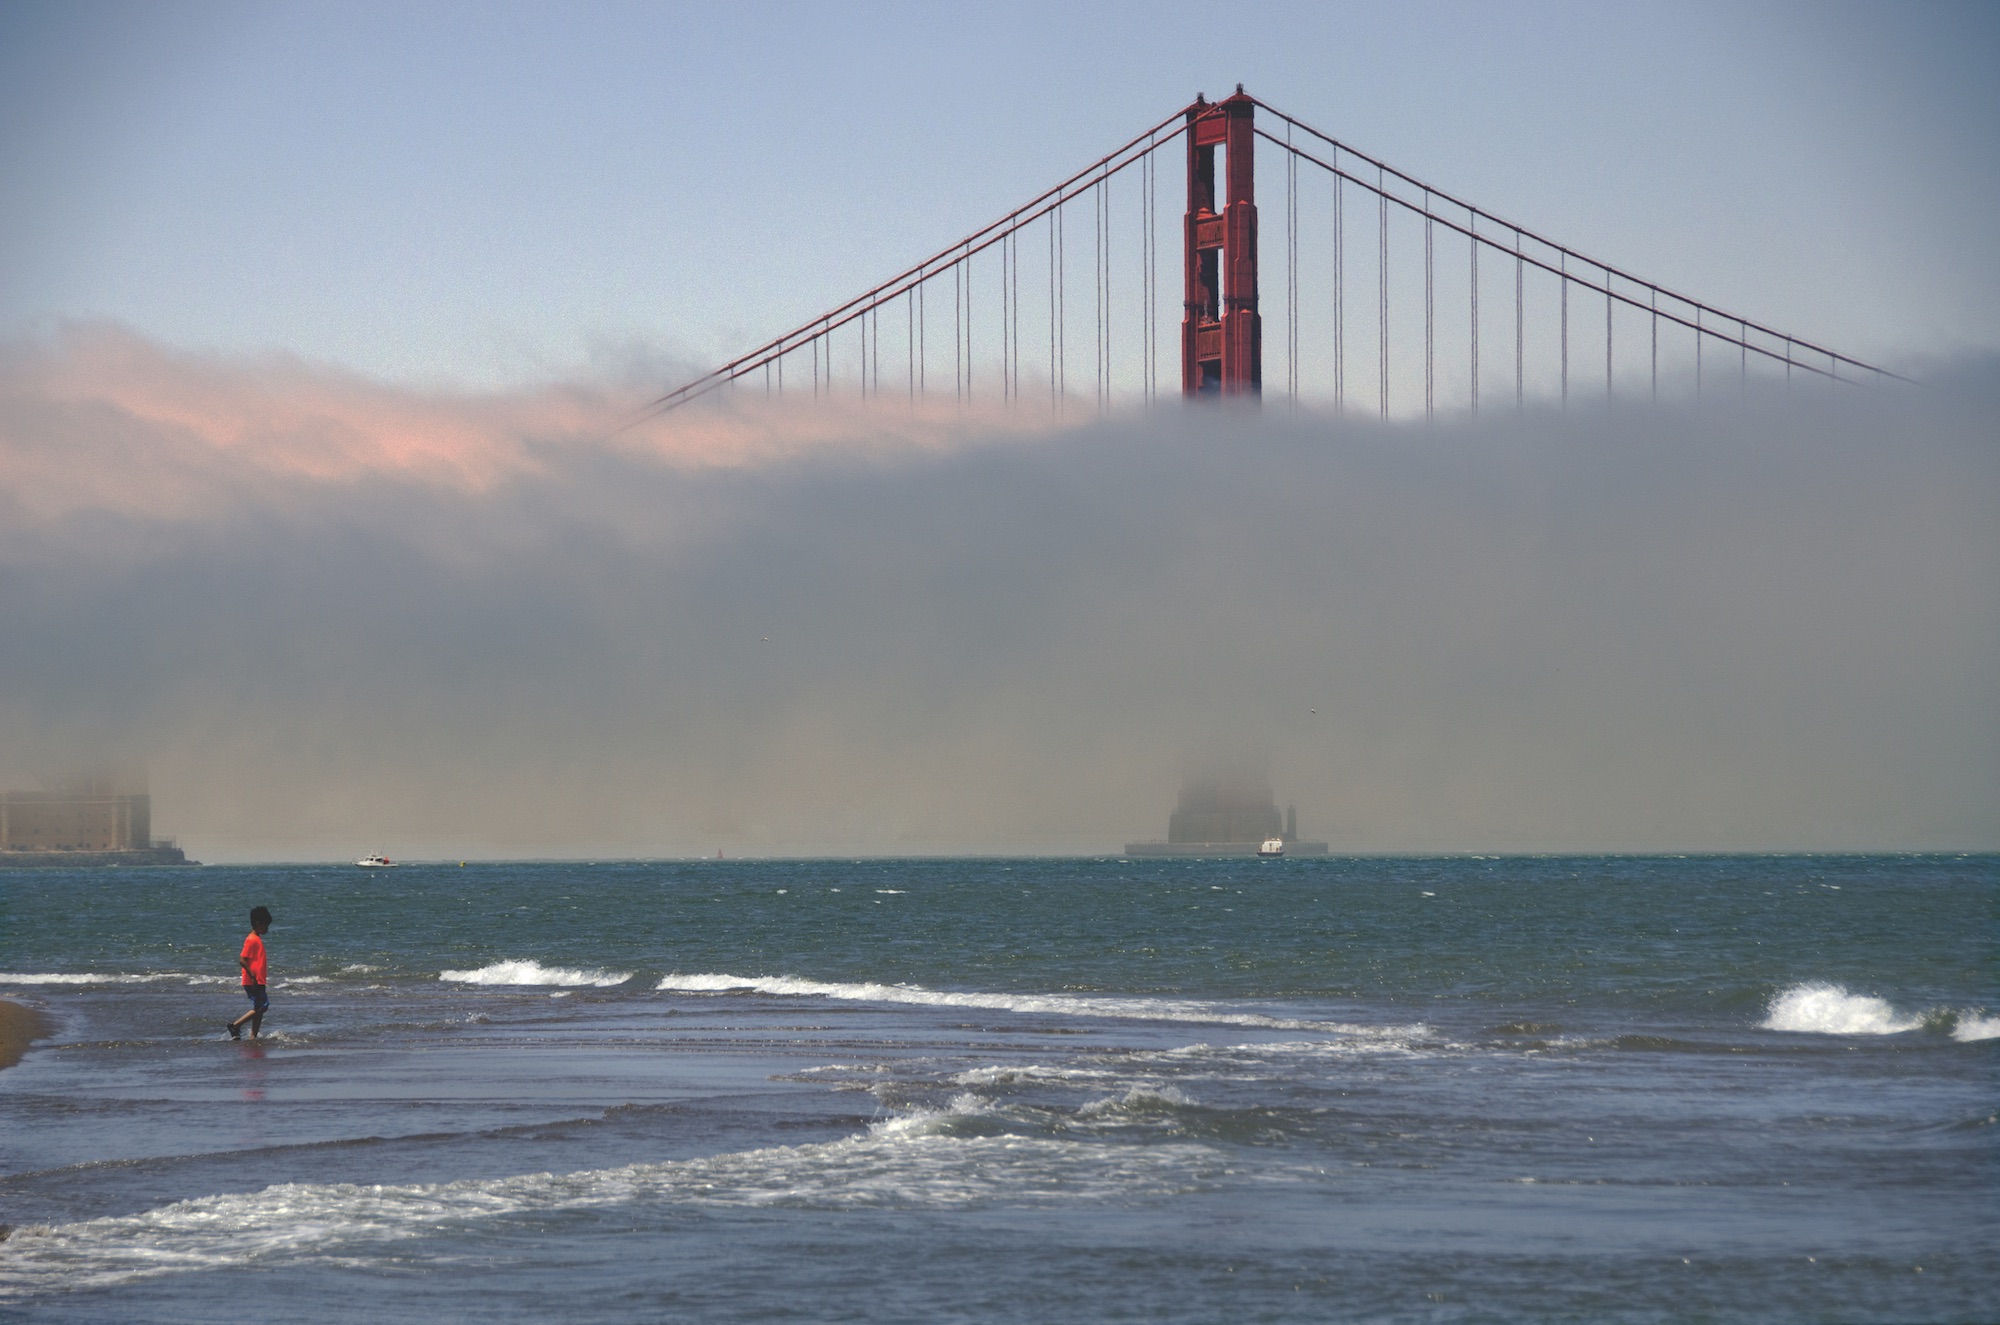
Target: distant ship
column 376, row 863
column 1272, row 846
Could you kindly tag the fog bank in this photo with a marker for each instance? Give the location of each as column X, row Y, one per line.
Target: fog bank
column 333, row 616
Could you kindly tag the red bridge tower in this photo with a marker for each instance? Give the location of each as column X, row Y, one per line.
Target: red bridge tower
column 1222, row 337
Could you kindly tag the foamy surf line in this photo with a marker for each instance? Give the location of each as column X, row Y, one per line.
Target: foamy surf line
column 905, row 1162
column 533, row 973
column 1049, row 1005
column 1820, row 1007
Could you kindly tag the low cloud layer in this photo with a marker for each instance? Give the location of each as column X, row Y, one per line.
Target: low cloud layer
column 332, row 615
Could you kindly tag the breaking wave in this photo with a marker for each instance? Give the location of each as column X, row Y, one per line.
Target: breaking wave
column 915, row 1161
column 1828, row 1009
column 1058, row 1005
column 531, row 972
column 1969, row 1026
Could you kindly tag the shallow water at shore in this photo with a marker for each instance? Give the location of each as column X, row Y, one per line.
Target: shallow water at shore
column 1552, row 1088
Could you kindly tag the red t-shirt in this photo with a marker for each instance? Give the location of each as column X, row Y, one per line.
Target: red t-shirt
column 253, row 953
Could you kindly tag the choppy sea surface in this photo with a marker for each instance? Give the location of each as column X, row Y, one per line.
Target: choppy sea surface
column 1625, row 1089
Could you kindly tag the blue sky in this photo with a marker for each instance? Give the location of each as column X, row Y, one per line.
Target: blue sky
column 490, row 194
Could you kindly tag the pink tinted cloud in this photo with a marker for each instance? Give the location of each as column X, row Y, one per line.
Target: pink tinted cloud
column 101, row 418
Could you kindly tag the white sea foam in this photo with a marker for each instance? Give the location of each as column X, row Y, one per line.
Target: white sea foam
column 1828, row 1009
column 1147, row 1097
column 1016, row 1074
column 1970, row 1026
column 1057, row 1005
column 914, row 1161
column 532, row 972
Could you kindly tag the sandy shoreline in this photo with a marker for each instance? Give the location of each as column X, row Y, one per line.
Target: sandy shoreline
column 19, row 1027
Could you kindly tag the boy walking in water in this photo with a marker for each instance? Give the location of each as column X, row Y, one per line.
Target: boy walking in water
column 252, row 962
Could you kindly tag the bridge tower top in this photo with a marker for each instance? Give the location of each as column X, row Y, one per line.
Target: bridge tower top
column 1222, row 335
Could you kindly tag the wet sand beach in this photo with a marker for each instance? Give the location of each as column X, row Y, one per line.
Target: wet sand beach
column 19, row 1027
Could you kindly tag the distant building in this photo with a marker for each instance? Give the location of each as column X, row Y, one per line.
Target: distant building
column 1227, row 818
column 77, row 824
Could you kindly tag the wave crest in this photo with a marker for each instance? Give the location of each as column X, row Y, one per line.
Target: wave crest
column 915, row 1162
column 1969, row 1026
column 1057, row 1005
column 1821, row 1008
column 532, row 972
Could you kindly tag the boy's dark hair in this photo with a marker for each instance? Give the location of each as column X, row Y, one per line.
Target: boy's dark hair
column 259, row 915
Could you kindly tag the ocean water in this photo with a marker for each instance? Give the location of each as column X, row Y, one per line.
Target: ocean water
column 1724, row 1089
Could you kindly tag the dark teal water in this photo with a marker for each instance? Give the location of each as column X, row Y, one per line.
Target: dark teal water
column 1014, row 1090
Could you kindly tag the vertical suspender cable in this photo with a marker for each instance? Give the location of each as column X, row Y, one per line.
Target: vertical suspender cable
column 1341, row 319
column 1655, row 299
column 1291, row 271
column 1052, row 308
column 1563, row 277
column 1608, row 306
column 1520, row 324
column 1430, row 314
column 1145, row 277
column 1062, row 311
column 957, row 331
column 1697, row 351
column 1292, row 264
column 966, row 263
column 910, row 339
column 1097, row 279
column 1474, row 227
column 1153, row 229
column 1382, row 273
column 1005, row 384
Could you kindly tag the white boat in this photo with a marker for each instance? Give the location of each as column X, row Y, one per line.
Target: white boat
column 376, row 863
column 1272, row 846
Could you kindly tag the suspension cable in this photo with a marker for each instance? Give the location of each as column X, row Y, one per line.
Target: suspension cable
column 1688, row 301
column 1558, row 265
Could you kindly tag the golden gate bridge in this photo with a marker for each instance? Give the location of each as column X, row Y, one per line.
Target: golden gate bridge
column 1001, row 315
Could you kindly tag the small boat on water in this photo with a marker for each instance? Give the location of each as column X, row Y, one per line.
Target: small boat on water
column 376, row 863
column 1272, row 847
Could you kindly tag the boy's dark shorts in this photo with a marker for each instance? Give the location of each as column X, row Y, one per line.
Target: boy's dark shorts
column 259, row 1001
